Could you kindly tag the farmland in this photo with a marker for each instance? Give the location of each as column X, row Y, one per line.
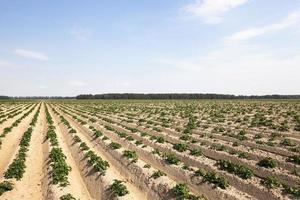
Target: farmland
column 149, row 149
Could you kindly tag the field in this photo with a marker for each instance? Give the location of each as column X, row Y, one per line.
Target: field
column 149, row 149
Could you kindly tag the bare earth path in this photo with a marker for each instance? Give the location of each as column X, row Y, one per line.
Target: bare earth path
column 77, row 186
column 30, row 186
column 112, row 172
column 9, row 121
column 11, row 142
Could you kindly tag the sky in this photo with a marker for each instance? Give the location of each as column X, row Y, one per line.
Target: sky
column 71, row 47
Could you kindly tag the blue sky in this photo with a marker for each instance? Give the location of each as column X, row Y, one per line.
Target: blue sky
column 68, row 47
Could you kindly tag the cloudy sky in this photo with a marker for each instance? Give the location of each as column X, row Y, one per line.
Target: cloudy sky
column 68, row 47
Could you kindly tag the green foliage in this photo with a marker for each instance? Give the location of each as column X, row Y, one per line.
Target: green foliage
column 235, row 168
column 271, row 182
column 172, row 159
column 181, row 147
column 51, row 135
column 5, row 186
column 67, row 197
column 181, row 192
column 98, row 133
column 77, row 139
column 115, row 145
column 196, row 152
column 294, row 191
column 132, row 155
column 84, row 147
column 118, row 189
column 97, row 162
column 294, row 159
column 60, row 169
column 213, row 178
column 17, row 168
column 72, row 130
column 287, row 142
column 268, row 163
column 160, row 139
column 157, row 174
column 147, row 166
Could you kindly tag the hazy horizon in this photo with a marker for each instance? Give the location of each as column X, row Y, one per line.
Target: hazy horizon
column 67, row 48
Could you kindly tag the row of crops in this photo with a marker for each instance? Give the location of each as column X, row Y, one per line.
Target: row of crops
column 142, row 149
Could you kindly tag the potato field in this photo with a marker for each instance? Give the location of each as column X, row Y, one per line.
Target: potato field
column 149, row 149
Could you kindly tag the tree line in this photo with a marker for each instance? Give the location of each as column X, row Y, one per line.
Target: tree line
column 4, row 97
column 157, row 96
column 181, row 96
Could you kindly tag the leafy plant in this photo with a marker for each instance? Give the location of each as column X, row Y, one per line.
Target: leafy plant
column 5, row 186
column 292, row 190
column 157, row 174
column 160, row 139
column 172, row 159
column 98, row 133
column 118, row 189
column 268, row 163
column 212, row 178
column 294, row 159
column 115, row 145
column 181, row 191
column 131, row 155
column 235, row 168
column 196, row 152
column 67, row 197
column 84, row 147
column 147, row 166
column 181, row 147
column 271, row 182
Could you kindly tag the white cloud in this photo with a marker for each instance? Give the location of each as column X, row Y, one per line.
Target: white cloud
column 76, row 83
column 31, row 54
column 81, row 33
column 241, row 69
column 5, row 63
column 211, row 11
column 291, row 19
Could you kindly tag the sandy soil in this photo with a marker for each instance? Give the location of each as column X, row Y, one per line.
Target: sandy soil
column 10, row 143
column 112, row 172
column 9, row 122
column 30, row 186
column 77, row 187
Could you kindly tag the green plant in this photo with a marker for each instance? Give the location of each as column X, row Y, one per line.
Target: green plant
column 118, row 189
column 160, row 139
column 268, row 162
column 67, row 197
column 287, row 142
column 292, row 190
column 196, row 152
column 131, row 155
column 97, row 162
column 98, row 133
column 294, row 159
column 181, row 191
column 72, row 130
column 115, row 145
column 157, row 174
column 5, row 186
column 212, row 178
column 271, row 182
column 60, row 169
column 172, row 159
column 235, row 168
column 147, row 166
column 181, row 147
column 77, row 139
